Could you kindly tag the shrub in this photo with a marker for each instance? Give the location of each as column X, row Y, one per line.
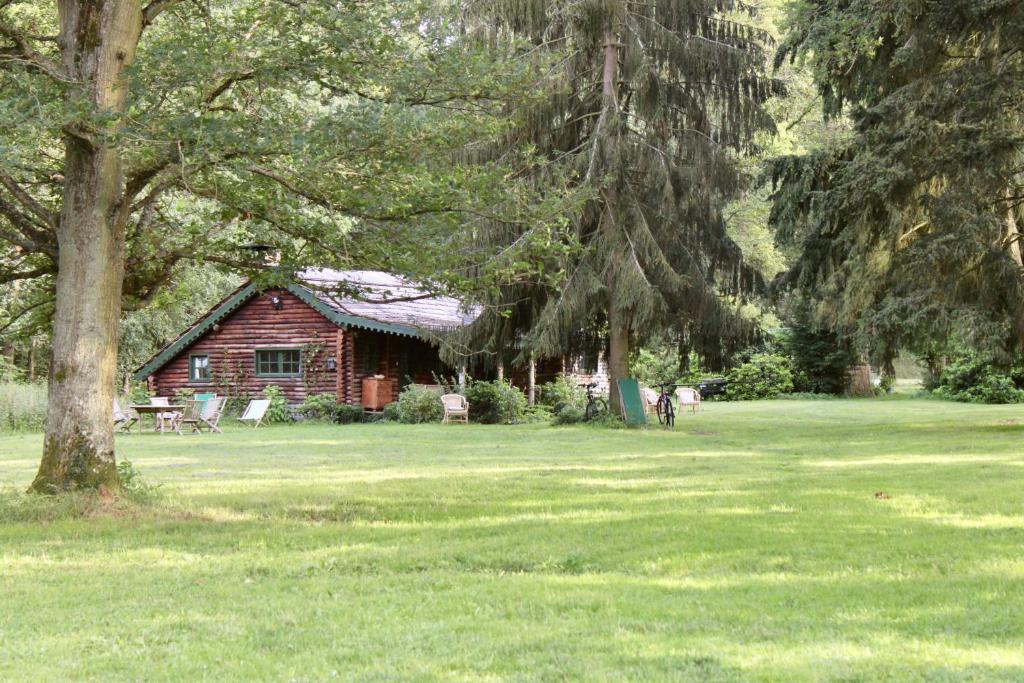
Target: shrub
column 976, row 379
column 22, row 406
column 568, row 415
column 320, row 407
column 765, row 375
column 417, row 404
column 390, row 413
column 496, row 402
column 350, row 414
column 563, row 392
column 278, row 409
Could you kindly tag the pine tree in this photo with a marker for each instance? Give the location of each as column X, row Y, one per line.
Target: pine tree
column 647, row 105
column 909, row 229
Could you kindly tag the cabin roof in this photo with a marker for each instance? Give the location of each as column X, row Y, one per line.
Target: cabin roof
column 364, row 299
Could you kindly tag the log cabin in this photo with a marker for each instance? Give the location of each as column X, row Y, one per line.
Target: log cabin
column 361, row 335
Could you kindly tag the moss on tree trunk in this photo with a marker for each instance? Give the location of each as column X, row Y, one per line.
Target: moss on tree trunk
column 98, row 40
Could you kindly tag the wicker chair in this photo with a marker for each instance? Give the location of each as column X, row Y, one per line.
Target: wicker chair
column 456, row 407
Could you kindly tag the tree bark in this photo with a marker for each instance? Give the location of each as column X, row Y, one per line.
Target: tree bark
column 98, row 39
column 618, row 356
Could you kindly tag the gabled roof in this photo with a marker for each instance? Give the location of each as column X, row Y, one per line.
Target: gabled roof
column 364, row 299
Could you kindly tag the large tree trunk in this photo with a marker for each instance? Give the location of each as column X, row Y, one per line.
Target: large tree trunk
column 618, row 356
column 98, row 40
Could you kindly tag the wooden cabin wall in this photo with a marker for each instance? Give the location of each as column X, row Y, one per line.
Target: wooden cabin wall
column 257, row 325
column 400, row 359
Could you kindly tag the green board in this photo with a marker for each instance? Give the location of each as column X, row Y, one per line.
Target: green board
column 632, row 402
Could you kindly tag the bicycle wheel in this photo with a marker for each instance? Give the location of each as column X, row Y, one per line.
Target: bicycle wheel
column 596, row 408
column 660, row 409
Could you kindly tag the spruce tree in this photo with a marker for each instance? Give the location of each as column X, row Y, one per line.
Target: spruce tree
column 648, row 103
column 909, row 229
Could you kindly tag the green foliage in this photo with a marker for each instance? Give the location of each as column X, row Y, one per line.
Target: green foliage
column 764, row 375
column 562, row 391
column 9, row 372
column 657, row 363
column 22, row 406
column 568, row 415
column 974, row 378
column 651, row 153
column 346, row 413
column 183, row 394
column 251, row 116
column 391, row 413
column 133, row 486
column 820, row 357
column 496, row 402
column 909, row 230
column 138, row 393
column 277, row 411
column 323, row 407
column 417, row 404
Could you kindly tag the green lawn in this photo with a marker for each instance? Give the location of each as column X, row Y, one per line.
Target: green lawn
column 747, row 545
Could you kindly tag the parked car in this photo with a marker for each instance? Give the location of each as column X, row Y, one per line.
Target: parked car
column 710, row 387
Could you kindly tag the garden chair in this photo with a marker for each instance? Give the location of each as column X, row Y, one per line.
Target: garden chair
column 455, row 407
column 204, row 397
column 650, row 397
column 190, row 416
column 162, row 420
column 123, row 420
column 212, row 409
column 255, row 412
column 688, row 398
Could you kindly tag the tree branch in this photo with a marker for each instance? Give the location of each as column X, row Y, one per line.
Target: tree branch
column 155, row 8
column 28, row 201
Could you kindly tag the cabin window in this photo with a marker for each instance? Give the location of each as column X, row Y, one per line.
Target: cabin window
column 278, row 362
column 199, row 367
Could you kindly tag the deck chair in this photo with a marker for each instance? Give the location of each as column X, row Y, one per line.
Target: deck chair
column 688, row 398
column 162, row 419
column 204, row 397
column 190, row 416
column 123, row 420
column 456, row 407
column 650, row 397
column 210, row 414
column 255, row 411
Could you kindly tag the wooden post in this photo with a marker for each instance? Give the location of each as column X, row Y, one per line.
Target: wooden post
column 531, row 382
column 501, row 371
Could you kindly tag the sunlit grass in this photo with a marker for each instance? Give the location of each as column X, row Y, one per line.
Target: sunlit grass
column 804, row 541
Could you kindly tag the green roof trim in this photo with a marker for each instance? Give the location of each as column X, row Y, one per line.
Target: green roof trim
column 234, row 301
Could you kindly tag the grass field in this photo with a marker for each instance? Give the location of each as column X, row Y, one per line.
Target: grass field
column 782, row 541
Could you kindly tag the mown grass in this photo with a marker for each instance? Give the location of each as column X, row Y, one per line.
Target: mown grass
column 782, row 541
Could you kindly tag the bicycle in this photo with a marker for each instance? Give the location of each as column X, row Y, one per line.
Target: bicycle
column 595, row 404
column 666, row 411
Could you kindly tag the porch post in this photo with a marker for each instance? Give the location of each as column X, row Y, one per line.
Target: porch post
column 531, row 381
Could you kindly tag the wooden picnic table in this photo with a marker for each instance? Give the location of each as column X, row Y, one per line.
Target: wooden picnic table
column 158, row 425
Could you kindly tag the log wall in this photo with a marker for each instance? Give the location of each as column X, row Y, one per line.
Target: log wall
column 232, row 345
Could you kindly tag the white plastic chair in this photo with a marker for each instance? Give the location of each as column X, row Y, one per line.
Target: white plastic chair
column 688, row 398
column 255, row 411
column 455, row 407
